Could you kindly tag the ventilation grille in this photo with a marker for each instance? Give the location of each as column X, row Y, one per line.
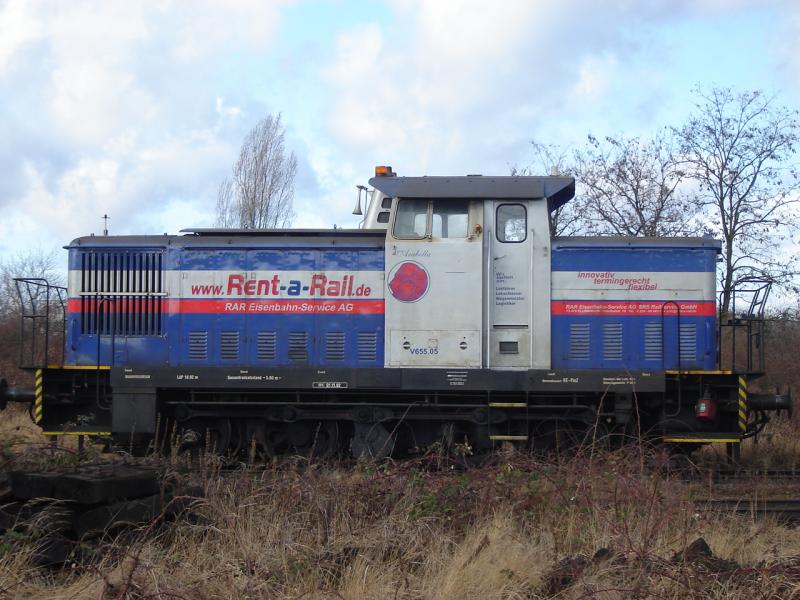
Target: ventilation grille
column 198, row 345
column 688, row 342
column 229, row 345
column 367, row 346
column 334, row 345
column 267, row 345
column 298, row 345
column 652, row 341
column 579, row 341
column 612, row 341
column 121, row 293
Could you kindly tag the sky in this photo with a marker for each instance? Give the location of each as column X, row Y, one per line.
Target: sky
column 137, row 110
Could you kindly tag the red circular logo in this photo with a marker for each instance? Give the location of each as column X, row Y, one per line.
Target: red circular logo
column 408, row 281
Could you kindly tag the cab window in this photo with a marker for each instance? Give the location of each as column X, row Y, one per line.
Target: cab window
column 438, row 218
column 512, row 223
column 411, row 219
column 449, row 219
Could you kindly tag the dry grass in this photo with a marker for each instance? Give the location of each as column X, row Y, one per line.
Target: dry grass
column 22, row 444
column 16, row 425
column 515, row 529
column 596, row 525
column 19, row 436
column 777, row 447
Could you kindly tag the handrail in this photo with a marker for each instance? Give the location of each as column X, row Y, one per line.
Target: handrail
column 664, row 353
column 29, row 294
column 754, row 292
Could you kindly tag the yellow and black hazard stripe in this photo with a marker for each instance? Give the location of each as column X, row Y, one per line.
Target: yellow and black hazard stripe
column 37, row 399
column 742, row 404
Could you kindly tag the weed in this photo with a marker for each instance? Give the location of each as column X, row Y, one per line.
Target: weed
column 595, row 524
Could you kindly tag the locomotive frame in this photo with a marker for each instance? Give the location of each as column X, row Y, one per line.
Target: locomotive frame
column 500, row 367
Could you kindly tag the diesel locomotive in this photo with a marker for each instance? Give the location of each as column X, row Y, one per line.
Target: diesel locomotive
column 451, row 316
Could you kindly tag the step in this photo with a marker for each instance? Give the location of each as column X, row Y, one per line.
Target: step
column 508, row 405
column 508, row 438
column 689, row 438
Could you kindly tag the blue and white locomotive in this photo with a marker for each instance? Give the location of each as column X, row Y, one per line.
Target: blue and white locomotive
column 452, row 316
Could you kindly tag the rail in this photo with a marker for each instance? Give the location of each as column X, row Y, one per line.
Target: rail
column 783, row 509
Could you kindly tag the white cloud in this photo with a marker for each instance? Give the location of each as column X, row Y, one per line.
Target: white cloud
column 90, row 101
column 121, row 108
column 225, row 111
column 787, row 45
column 81, row 195
column 358, row 52
column 593, row 80
column 204, row 28
column 445, row 84
column 138, row 109
column 17, row 27
column 462, row 86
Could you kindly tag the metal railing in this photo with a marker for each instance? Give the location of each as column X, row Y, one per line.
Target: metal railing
column 740, row 336
column 43, row 321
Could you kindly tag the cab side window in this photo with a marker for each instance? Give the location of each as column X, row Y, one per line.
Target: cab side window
column 411, row 219
column 450, row 219
column 512, row 223
column 443, row 218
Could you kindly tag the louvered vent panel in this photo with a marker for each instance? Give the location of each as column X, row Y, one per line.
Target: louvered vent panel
column 298, row 345
column 122, row 292
column 267, row 347
column 612, row 341
column 198, row 345
column 652, row 341
column 229, row 345
column 688, row 342
column 579, row 341
column 368, row 346
column 334, row 345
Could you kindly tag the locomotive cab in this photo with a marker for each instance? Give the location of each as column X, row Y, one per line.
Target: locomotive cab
column 467, row 267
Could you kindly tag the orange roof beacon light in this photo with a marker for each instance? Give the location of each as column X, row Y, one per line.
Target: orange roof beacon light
column 384, row 171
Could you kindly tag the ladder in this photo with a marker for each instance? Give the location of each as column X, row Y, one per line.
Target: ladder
column 507, row 409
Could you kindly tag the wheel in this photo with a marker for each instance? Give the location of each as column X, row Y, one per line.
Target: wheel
column 324, row 440
column 564, row 437
column 312, row 439
column 219, row 437
column 200, row 437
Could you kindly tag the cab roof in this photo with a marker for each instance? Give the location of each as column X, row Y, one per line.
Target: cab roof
column 557, row 190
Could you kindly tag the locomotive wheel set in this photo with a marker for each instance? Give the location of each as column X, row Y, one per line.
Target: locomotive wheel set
column 452, row 317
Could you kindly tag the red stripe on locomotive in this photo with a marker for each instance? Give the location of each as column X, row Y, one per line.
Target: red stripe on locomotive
column 633, row 308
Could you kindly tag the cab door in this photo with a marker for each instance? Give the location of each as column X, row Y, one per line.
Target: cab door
column 509, row 286
column 434, row 281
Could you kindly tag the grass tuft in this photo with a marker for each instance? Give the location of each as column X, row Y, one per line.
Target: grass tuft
column 595, row 525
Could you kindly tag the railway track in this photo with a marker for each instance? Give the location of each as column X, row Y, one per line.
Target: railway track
column 785, row 510
column 729, row 474
column 771, row 474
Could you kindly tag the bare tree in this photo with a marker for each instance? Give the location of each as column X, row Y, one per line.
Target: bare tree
column 631, row 187
column 260, row 191
column 737, row 147
column 549, row 159
column 31, row 263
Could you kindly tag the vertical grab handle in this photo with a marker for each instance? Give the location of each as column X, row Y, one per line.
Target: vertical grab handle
column 664, row 332
column 663, row 348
